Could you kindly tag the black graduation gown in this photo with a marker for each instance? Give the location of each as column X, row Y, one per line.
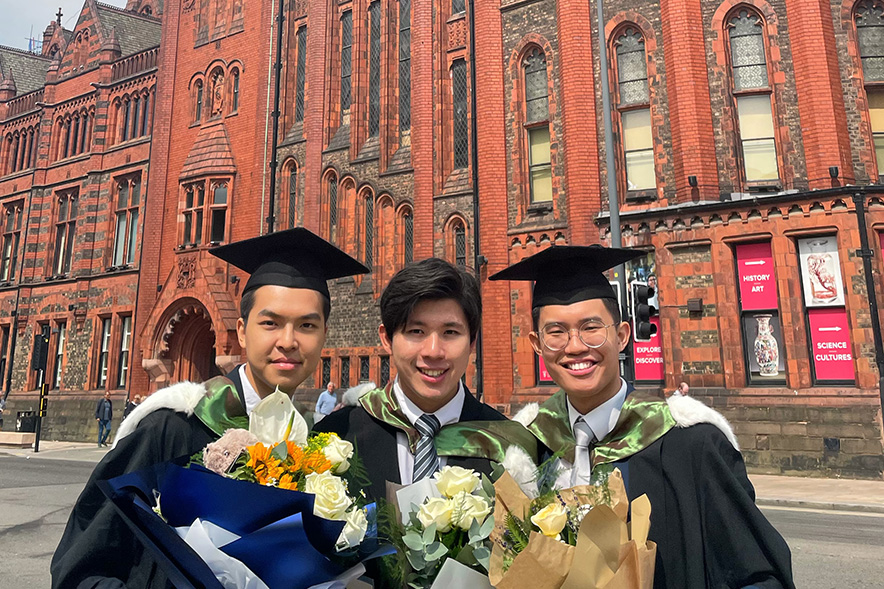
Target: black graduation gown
column 708, row 530
column 97, row 549
column 375, row 441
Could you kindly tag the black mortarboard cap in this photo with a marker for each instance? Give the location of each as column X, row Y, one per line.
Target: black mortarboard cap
column 294, row 258
column 567, row 274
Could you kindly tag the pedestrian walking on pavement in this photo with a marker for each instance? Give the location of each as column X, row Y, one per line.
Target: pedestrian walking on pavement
column 326, row 402
column 104, row 412
column 131, row 405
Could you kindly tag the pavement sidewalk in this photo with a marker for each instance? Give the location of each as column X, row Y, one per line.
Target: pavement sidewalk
column 771, row 490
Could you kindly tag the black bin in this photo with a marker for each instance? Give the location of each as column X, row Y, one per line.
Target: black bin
column 26, row 421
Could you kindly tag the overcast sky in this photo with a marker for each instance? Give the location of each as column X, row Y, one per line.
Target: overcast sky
column 18, row 17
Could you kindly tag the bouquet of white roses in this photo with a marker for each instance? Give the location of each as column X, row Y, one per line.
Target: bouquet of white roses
column 446, row 528
column 266, row 490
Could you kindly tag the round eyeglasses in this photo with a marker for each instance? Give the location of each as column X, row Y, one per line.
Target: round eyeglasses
column 593, row 334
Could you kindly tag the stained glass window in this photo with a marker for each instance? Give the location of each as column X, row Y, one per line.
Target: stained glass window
column 369, row 231
column 385, row 371
column 461, row 124
column 300, row 74
column 404, row 65
column 293, row 195
column 632, row 68
column 332, row 206
column 326, row 371
column 408, row 221
column 460, row 245
column 346, row 58
column 536, row 87
column 364, row 369
column 345, row 372
column 374, row 69
column 748, row 59
column 870, row 34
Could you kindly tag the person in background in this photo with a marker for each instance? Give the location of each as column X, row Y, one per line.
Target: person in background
column 682, row 390
column 326, row 402
column 104, row 412
column 131, row 405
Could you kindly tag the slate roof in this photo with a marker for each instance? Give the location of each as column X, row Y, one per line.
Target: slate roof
column 28, row 69
column 210, row 153
column 135, row 32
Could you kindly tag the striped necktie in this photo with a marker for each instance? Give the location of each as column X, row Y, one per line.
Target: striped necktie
column 426, row 461
column 585, row 438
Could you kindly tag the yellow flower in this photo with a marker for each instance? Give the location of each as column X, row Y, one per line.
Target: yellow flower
column 551, row 519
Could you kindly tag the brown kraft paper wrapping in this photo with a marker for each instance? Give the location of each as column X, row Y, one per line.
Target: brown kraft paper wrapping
column 610, row 554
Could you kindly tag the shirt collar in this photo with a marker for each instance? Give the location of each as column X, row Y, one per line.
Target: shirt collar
column 448, row 414
column 603, row 418
column 250, row 395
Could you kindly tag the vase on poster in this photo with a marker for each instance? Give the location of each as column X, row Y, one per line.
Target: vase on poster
column 767, row 351
column 821, row 270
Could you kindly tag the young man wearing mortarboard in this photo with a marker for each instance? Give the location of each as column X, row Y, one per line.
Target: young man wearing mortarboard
column 426, row 418
column 282, row 327
column 682, row 454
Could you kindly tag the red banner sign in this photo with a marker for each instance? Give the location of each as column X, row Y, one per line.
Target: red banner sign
column 830, row 338
column 758, row 285
column 649, row 357
column 543, row 376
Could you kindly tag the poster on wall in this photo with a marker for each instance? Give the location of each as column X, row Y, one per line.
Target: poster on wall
column 830, row 342
column 649, row 357
column 543, row 377
column 765, row 351
column 755, row 272
column 821, row 271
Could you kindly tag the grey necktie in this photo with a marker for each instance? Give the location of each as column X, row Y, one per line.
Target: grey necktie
column 426, row 461
column 582, row 467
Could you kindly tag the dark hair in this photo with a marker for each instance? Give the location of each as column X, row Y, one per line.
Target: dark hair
column 248, row 301
column 432, row 279
column 610, row 304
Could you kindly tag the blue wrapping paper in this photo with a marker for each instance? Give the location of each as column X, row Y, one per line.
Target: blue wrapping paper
column 281, row 540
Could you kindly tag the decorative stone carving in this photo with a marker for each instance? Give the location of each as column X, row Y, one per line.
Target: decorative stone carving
column 186, row 272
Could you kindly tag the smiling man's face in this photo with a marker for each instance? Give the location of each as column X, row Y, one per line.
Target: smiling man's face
column 589, row 376
column 282, row 338
column 431, row 352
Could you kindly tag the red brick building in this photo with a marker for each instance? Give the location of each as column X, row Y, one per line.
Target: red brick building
column 741, row 130
column 75, row 122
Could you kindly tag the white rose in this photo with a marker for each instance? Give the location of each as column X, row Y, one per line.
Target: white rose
column 354, row 530
column 436, row 511
column 452, row 480
column 338, row 452
column 468, row 508
column 551, row 519
column 331, row 500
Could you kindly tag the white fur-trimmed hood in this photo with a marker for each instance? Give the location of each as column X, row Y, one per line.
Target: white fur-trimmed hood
column 688, row 411
column 182, row 397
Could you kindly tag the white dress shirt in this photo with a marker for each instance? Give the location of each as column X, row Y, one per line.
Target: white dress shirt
column 600, row 420
column 448, row 414
column 250, row 395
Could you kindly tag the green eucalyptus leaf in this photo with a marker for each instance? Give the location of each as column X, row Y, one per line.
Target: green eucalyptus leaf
column 483, row 556
column 488, row 487
column 487, row 527
column 416, row 560
column 435, row 551
column 466, row 556
column 413, row 540
column 430, row 533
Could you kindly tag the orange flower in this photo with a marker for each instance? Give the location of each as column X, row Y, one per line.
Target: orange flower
column 267, row 468
column 286, row 481
column 315, row 461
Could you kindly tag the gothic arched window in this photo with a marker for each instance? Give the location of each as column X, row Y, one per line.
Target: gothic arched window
column 537, row 125
column 634, row 109
column 753, row 97
column 870, row 37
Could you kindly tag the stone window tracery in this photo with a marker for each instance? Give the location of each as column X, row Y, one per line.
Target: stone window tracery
column 752, row 97
column 460, row 120
column 374, row 69
column 634, row 111
column 300, row 73
column 65, row 230
column 404, row 65
column 12, row 225
column 537, row 125
column 128, row 206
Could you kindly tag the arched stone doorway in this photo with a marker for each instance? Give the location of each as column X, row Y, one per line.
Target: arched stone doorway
column 190, row 345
